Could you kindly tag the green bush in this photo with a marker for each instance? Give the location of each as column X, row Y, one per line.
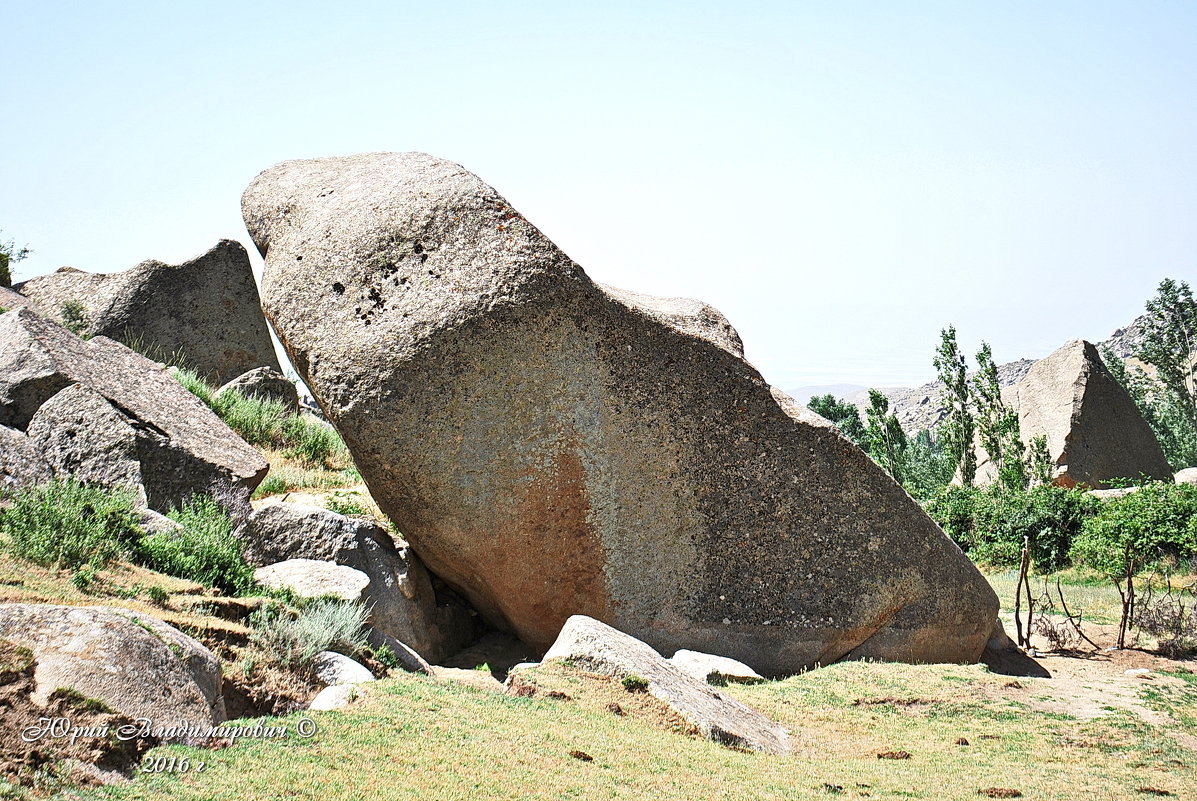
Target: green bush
column 990, row 524
column 203, row 550
column 69, row 524
column 1144, row 529
column 293, row 638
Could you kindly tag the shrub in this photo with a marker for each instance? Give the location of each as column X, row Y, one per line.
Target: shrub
column 990, row 524
column 1149, row 528
column 203, row 550
column 69, row 524
column 1141, row 530
column 635, row 684
column 293, row 639
column 74, row 318
column 346, row 503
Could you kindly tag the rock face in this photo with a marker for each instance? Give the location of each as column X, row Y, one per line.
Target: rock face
column 136, row 664
column 100, row 408
column 403, row 602
column 1094, row 430
column 21, row 461
column 551, row 447
column 206, row 309
column 594, row 646
column 266, row 384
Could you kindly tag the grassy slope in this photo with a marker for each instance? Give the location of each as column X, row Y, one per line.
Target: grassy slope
column 414, row 737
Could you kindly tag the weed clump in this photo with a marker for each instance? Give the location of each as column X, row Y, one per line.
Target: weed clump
column 67, row 524
column 292, row 638
column 204, row 549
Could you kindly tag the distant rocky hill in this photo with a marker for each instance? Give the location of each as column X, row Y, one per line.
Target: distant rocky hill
column 917, row 408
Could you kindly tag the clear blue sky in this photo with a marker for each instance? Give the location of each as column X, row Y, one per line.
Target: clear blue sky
column 841, row 179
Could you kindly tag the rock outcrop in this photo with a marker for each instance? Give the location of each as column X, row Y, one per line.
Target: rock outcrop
column 21, row 461
column 400, row 593
column 265, row 383
column 1094, row 430
column 205, row 310
column 134, row 663
column 98, row 407
column 551, row 447
column 590, row 645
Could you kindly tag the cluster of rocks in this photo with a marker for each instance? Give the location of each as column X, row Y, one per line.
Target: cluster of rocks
column 597, row 471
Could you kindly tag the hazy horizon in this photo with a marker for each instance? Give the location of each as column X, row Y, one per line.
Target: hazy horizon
column 841, row 182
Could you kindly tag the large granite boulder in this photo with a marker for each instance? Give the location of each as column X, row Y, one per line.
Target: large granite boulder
column 21, row 462
column 1094, row 430
column 587, row 644
column 553, row 447
column 403, row 602
column 267, row 384
column 207, row 309
column 97, row 407
column 134, row 663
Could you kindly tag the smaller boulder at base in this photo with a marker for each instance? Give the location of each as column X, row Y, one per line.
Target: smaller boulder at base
column 334, row 668
column 267, row 384
column 134, row 663
column 711, row 669
column 312, row 578
column 594, row 646
column 21, row 461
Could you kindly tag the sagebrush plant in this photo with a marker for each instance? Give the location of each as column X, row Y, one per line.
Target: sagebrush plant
column 68, row 524
column 269, row 423
column 74, row 318
column 293, row 637
column 204, row 549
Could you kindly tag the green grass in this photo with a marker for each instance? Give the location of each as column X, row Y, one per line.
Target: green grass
column 1094, row 598
column 415, row 738
column 203, row 550
column 271, row 424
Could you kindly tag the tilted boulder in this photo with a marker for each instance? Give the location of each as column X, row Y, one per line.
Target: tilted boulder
column 111, row 393
column 552, row 447
column 1094, row 430
column 400, row 593
column 134, row 663
column 590, row 645
column 205, row 310
column 265, row 383
column 21, row 462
